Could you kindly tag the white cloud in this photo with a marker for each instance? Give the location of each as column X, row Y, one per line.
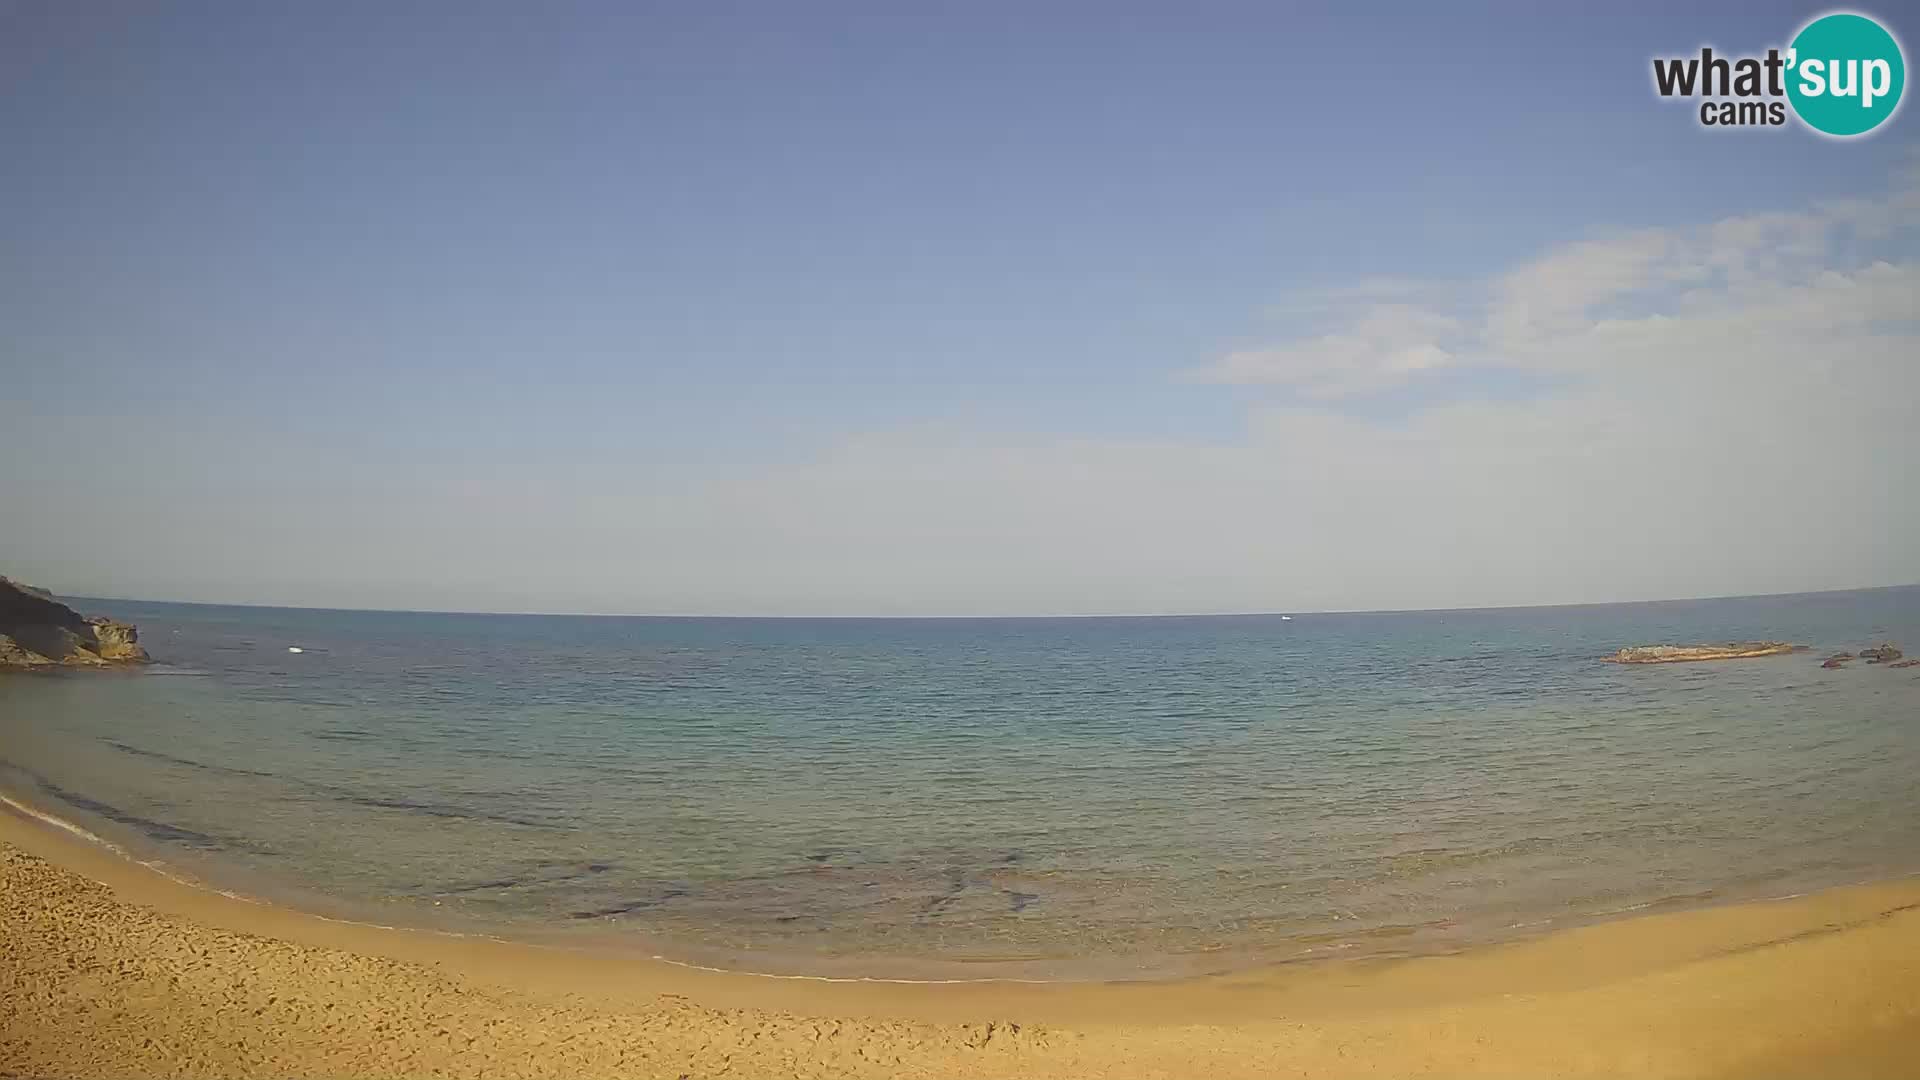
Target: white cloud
column 1386, row 344
column 1782, row 269
column 1377, row 289
column 1554, row 295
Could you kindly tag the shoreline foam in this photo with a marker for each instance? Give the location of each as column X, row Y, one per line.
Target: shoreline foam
column 144, row 975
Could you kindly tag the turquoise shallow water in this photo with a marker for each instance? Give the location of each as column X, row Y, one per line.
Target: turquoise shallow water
column 1044, row 798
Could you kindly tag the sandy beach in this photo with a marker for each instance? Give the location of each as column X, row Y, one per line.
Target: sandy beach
column 110, row 969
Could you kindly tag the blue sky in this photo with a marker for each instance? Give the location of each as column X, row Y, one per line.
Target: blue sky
column 343, row 306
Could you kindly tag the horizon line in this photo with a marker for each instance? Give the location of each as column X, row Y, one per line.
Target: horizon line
column 982, row 618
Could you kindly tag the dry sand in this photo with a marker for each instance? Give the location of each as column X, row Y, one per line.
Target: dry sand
column 108, row 970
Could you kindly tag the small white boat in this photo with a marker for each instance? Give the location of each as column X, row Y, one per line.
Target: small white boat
column 1286, row 618
column 295, row 648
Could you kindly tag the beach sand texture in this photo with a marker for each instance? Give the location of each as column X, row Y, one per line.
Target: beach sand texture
column 108, row 969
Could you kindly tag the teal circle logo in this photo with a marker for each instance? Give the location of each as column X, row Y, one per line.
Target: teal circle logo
column 1845, row 74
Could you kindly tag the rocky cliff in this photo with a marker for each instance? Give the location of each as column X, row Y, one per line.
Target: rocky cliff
column 38, row 631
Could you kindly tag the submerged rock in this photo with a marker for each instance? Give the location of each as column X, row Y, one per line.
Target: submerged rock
column 1675, row 654
column 1904, row 663
column 1881, row 654
column 38, row 631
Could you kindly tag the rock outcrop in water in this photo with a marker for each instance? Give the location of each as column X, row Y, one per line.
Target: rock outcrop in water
column 1887, row 655
column 38, row 631
column 1676, row 654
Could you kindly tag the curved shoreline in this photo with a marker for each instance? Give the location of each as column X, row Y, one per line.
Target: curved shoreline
column 634, row 947
column 100, row 954
column 17, row 808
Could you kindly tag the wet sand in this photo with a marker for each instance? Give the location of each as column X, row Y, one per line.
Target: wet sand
column 108, row 969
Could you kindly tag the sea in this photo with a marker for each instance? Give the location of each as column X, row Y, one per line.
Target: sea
column 1051, row 798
